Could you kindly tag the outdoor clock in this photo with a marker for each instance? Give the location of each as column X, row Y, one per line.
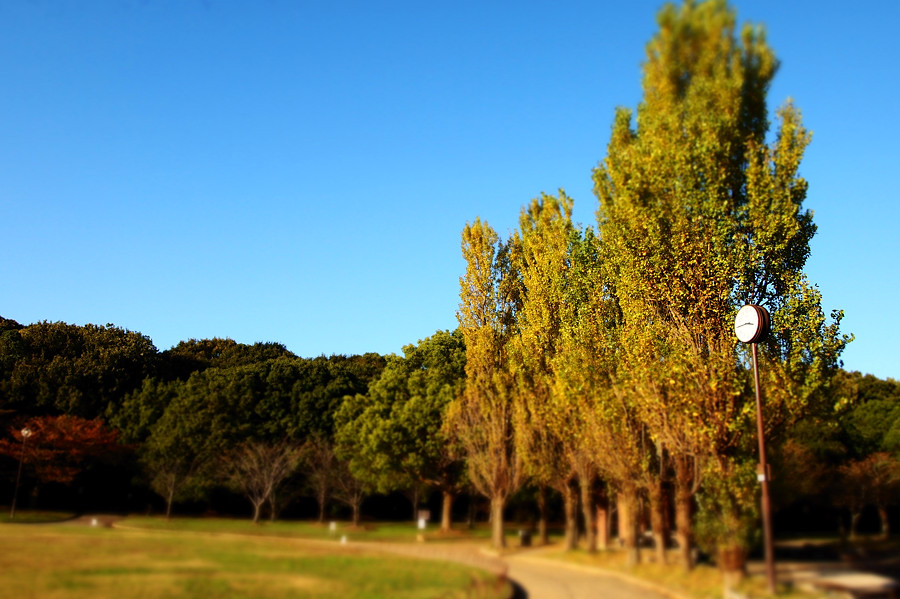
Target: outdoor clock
column 751, row 324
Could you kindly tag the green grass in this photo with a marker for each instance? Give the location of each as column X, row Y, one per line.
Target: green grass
column 382, row 531
column 31, row 517
column 73, row 562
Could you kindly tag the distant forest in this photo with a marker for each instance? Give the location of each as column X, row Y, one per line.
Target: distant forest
column 111, row 417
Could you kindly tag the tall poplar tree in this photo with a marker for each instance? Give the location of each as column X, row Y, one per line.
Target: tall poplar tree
column 540, row 251
column 600, row 429
column 481, row 419
column 699, row 215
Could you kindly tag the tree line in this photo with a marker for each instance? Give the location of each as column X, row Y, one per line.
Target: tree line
column 189, row 419
column 606, row 356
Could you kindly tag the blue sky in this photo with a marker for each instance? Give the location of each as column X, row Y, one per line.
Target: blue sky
column 300, row 172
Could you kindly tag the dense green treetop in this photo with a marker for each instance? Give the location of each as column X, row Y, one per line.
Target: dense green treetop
column 194, row 355
column 393, row 434
column 58, row 368
column 873, row 422
column 277, row 398
column 105, row 371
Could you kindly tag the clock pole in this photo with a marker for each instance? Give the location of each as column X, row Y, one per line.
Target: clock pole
column 763, row 476
column 751, row 326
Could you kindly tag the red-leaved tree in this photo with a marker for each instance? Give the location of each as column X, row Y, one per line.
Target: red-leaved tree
column 58, row 448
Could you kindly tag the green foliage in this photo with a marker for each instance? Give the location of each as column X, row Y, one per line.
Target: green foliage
column 142, row 408
column 11, row 350
column 728, row 507
column 195, row 355
column 540, row 253
column 393, row 435
column 873, row 423
column 183, row 427
column 699, row 215
column 481, row 419
column 323, row 384
column 58, row 368
column 271, row 399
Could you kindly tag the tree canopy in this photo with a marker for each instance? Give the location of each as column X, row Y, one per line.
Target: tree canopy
column 700, row 215
column 58, row 368
column 393, row 436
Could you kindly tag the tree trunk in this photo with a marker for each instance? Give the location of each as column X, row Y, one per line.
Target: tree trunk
column 414, row 500
column 356, row 510
column 257, row 505
column 602, row 521
column 447, row 510
column 627, row 500
column 542, row 518
column 854, row 523
column 684, row 483
column 274, row 507
column 570, row 504
column 733, row 564
column 587, row 512
column 622, row 524
column 498, row 539
column 169, row 500
column 321, row 498
column 885, row 522
column 658, row 520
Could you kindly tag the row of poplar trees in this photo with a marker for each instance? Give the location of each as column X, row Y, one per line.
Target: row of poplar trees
column 609, row 354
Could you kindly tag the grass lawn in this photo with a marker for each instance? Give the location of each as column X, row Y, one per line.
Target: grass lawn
column 382, row 531
column 28, row 516
column 369, row 531
column 56, row 561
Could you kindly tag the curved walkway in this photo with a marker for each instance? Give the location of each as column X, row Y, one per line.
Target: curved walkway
column 543, row 578
column 534, row 577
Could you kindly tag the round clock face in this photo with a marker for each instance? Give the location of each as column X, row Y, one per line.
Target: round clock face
column 751, row 323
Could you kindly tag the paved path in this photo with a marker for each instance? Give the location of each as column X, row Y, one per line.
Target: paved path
column 544, row 579
column 534, row 577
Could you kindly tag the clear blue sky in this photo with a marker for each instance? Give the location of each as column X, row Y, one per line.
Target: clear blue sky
column 300, row 172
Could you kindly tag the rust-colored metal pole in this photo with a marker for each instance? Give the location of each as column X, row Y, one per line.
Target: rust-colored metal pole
column 763, row 476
